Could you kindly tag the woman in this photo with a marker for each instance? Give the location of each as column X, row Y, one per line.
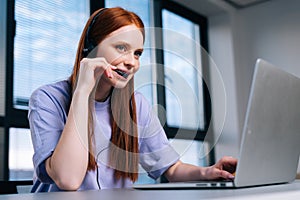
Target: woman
column 92, row 130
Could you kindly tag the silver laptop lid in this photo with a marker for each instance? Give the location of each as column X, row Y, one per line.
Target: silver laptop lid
column 271, row 136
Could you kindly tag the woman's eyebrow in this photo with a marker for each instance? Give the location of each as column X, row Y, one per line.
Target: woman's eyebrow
column 140, row 49
column 128, row 45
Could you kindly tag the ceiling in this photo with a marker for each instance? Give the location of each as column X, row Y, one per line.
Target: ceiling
column 205, row 7
column 213, row 7
column 244, row 3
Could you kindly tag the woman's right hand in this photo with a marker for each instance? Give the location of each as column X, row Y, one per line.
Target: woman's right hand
column 73, row 145
column 91, row 70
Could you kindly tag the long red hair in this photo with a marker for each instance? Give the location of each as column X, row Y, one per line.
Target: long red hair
column 124, row 140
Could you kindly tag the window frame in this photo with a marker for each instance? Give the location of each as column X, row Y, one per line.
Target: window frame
column 161, row 91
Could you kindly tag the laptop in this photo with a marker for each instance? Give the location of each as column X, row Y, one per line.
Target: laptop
column 270, row 149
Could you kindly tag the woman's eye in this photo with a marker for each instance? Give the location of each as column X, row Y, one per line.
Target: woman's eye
column 121, row 48
column 138, row 53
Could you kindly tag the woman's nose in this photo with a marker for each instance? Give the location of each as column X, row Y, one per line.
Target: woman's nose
column 129, row 59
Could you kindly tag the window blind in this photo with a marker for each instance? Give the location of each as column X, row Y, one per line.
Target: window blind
column 47, row 35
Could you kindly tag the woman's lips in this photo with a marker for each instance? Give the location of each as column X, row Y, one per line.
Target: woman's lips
column 122, row 73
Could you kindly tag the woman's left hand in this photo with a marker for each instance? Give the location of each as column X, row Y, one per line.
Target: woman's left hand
column 223, row 169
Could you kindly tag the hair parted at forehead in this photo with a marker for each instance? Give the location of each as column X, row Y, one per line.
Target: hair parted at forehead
column 111, row 19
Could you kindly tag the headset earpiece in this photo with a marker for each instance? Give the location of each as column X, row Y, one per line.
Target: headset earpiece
column 88, row 48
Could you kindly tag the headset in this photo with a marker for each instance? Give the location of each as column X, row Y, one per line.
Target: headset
column 89, row 44
column 97, row 170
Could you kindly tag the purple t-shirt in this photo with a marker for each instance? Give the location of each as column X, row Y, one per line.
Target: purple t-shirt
column 48, row 109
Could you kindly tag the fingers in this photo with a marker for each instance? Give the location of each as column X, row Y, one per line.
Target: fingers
column 108, row 70
column 227, row 163
column 99, row 65
column 229, row 160
column 224, row 168
column 90, row 72
column 226, row 175
column 215, row 173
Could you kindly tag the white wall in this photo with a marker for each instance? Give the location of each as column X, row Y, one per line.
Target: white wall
column 221, row 51
column 270, row 30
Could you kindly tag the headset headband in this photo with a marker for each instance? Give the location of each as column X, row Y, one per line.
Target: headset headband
column 89, row 45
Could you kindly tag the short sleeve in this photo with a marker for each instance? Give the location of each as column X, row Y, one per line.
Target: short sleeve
column 156, row 153
column 47, row 116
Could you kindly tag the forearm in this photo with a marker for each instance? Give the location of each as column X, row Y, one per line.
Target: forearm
column 68, row 164
column 185, row 172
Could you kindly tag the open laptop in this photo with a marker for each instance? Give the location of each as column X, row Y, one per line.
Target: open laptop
column 270, row 146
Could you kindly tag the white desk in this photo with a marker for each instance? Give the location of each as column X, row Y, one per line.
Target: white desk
column 286, row 192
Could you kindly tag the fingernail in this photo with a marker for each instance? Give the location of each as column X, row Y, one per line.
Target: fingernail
column 113, row 67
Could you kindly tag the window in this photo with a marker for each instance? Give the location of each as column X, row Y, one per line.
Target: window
column 184, row 100
column 191, row 151
column 20, row 154
column 47, row 33
column 184, row 94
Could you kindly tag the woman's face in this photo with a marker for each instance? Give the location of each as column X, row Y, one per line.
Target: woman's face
column 122, row 48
